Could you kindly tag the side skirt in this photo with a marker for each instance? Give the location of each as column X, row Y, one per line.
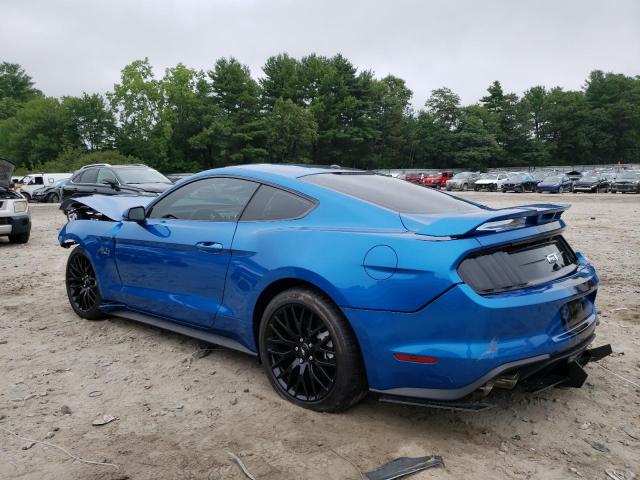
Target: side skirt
column 178, row 328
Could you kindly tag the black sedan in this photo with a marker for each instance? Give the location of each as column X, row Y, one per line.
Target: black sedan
column 519, row 183
column 591, row 184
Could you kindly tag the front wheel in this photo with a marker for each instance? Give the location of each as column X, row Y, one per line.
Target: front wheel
column 53, row 198
column 82, row 286
column 310, row 353
column 561, row 190
column 19, row 238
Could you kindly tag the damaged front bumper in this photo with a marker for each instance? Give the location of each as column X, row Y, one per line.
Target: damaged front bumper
column 532, row 376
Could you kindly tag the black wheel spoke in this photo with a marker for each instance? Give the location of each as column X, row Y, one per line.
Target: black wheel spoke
column 301, row 353
column 82, row 283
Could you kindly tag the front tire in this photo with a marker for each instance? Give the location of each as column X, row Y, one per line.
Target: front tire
column 309, row 352
column 82, row 286
column 19, row 237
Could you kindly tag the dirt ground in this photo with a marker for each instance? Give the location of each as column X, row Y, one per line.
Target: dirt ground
column 178, row 416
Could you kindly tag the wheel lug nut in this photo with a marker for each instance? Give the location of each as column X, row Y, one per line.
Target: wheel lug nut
column 296, row 349
column 310, row 358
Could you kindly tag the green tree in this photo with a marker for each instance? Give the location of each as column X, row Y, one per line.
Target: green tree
column 391, row 112
column 16, row 87
column 36, row 133
column 567, row 132
column 614, row 119
column 476, row 145
column 281, row 80
column 89, row 122
column 235, row 130
column 291, row 131
column 138, row 103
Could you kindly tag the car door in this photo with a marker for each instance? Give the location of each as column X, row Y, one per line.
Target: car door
column 83, row 184
column 174, row 264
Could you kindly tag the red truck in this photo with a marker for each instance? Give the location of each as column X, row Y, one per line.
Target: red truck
column 438, row 180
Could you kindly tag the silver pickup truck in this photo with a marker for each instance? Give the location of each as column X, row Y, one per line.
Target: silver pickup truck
column 15, row 217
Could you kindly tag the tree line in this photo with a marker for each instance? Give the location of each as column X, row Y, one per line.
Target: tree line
column 315, row 109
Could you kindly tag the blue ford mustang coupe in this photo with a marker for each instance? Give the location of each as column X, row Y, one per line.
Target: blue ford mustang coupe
column 344, row 282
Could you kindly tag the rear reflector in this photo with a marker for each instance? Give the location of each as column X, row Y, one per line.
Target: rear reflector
column 405, row 357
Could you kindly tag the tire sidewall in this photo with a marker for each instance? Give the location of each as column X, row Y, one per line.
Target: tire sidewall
column 337, row 326
column 94, row 313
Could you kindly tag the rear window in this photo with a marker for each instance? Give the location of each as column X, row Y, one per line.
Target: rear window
column 392, row 193
column 270, row 203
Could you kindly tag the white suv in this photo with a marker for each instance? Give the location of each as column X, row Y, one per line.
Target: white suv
column 15, row 217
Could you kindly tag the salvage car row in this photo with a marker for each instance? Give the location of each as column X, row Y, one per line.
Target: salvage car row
column 594, row 181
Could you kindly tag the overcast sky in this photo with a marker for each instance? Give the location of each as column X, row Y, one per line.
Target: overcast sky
column 80, row 45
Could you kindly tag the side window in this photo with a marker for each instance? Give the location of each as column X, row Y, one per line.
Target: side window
column 218, row 199
column 89, row 176
column 274, row 204
column 38, row 181
column 105, row 175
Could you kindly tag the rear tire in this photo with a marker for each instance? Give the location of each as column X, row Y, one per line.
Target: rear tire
column 19, row 237
column 53, row 198
column 82, row 286
column 309, row 352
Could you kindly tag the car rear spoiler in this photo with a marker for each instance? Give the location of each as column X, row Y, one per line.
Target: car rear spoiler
column 483, row 221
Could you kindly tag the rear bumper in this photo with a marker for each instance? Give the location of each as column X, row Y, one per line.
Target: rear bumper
column 474, row 338
column 15, row 225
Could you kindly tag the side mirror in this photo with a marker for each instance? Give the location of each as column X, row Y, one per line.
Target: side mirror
column 135, row 214
column 112, row 184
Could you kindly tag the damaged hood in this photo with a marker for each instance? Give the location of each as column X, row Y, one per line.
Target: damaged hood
column 6, row 169
column 111, row 206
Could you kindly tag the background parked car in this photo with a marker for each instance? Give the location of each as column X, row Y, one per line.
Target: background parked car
column 176, row 177
column 52, row 194
column 35, row 181
column 591, row 184
column 462, row 181
column 519, row 183
column 627, row 181
column 15, row 217
column 555, row 184
column 490, row 181
column 437, row 180
column 108, row 179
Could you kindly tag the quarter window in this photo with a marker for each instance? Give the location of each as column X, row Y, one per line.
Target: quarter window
column 212, row 199
column 274, row 204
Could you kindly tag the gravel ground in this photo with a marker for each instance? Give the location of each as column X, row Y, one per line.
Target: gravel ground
column 179, row 416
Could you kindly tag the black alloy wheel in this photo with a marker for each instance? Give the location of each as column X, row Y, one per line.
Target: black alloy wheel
column 310, row 354
column 82, row 286
column 301, row 353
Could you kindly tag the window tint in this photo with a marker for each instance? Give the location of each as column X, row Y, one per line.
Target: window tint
column 211, row 199
column 89, row 176
column 392, row 193
column 274, row 204
column 105, row 174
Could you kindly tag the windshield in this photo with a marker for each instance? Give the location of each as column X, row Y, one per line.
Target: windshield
column 141, row 175
column 462, row 176
column 630, row 175
column 515, row 178
column 589, row 179
column 553, row 179
column 391, row 193
column 488, row 176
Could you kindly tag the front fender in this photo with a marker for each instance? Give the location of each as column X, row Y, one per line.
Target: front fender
column 96, row 238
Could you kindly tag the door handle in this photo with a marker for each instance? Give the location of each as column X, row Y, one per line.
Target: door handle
column 212, row 247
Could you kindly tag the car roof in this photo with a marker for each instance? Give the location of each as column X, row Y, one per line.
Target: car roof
column 273, row 172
